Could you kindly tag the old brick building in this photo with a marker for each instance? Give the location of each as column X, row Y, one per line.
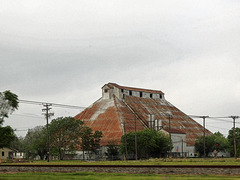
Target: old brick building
column 121, row 108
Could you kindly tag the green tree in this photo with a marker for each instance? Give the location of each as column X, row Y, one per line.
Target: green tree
column 35, row 143
column 215, row 141
column 95, row 139
column 230, row 140
column 6, row 136
column 221, row 142
column 112, row 150
column 65, row 133
column 90, row 141
column 8, row 104
column 18, row 144
column 150, row 143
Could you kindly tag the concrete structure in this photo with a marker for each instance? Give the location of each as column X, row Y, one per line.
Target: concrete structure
column 122, row 108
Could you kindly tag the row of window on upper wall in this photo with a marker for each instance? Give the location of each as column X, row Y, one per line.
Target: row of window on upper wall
column 141, row 94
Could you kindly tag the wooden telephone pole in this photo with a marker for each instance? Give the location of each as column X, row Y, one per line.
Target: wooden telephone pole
column 48, row 114
column 234, row 135
column 204, row 135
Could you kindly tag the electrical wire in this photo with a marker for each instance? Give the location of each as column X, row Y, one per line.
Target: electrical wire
column 53, row 104
column 24, row 115
column 102, row 109
column 82, row 107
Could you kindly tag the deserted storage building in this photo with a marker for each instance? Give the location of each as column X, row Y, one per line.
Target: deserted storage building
column 116, row 111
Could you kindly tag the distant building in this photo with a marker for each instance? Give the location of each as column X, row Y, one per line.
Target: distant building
column 116, row 111
column 6, row 153
column 18, row 155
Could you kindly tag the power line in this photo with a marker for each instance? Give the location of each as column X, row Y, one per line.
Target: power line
column 24, row 115
column 82, row 107
column 218, row 127
column 221, row 118
column 218, row 119
column 53, row 104
column 101, row 109
column 20, row 130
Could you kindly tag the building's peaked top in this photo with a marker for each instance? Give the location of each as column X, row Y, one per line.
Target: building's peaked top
column 135, row 89
column 118, row 112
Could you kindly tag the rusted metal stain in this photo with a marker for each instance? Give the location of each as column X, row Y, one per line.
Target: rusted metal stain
column 114, row 117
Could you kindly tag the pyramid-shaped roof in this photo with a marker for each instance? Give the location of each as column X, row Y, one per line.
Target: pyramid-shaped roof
column 121, row 109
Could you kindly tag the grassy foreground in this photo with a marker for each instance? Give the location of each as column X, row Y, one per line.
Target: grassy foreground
column 166, row 161
column 107, row 176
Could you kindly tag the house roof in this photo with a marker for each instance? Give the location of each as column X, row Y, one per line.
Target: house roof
column 114, row 117
column 134, row 89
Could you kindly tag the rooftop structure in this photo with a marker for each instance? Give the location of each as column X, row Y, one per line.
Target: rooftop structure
column 122, row 108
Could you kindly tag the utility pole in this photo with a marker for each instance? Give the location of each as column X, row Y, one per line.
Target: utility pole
column 234, row 135
column 204, row 135
column 125, row 139
column 136, row 156
column 182, row 148
column 169, row 126
column 48, row 114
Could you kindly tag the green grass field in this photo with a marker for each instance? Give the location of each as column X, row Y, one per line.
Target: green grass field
column 107, row 176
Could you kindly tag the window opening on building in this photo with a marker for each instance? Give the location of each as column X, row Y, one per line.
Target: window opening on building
column 160, row 96
column 2, row 153
column 122, row 90
column 130, row 93
column 105, row 90
column 140, row 94
column 151, row 95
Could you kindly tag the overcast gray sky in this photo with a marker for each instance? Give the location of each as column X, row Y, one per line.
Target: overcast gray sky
column 64, row 51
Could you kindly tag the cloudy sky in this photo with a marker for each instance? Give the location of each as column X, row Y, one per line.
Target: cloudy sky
column 64, row 51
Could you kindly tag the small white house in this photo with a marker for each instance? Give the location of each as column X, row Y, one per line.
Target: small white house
column 18, row 155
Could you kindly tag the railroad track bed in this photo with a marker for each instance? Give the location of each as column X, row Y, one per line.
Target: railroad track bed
column 134, row 169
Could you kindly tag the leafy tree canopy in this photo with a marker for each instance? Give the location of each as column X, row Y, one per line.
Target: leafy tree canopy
column 112, row 150
column 18, row 144
column 150, row 143
column 6, row 136
column 8, row 104
column 65, row 133
column 215, row 141
column 35, row 142
column 90, row 141
column 230, row 140
column 68, row 134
